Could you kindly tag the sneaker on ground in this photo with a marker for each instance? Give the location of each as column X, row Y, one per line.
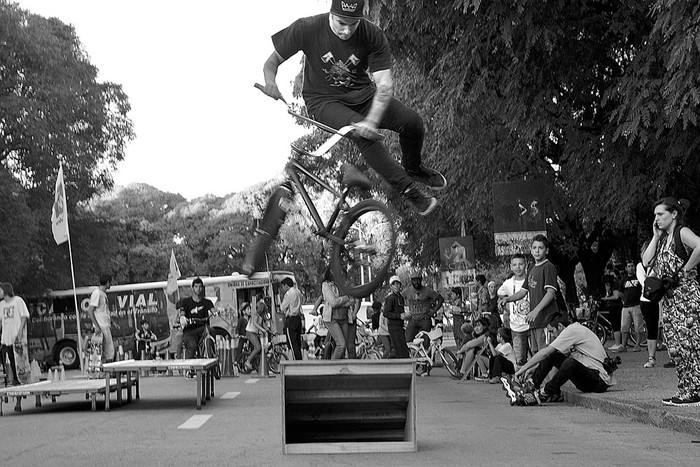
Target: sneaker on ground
column 481, row 379
column 619, row 349
column 686, row 401
column 544, row 397
column 671, row 364
column 423, row 202
column 457, row 376
column 495, row 380
column 667, row 400
column 428, row 177
column 614, row 347
column 651, row 363
column 636, row 349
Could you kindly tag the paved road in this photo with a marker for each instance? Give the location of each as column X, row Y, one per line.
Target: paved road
column 458, row 423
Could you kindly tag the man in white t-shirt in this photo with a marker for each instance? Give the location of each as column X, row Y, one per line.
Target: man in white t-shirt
column 518, row 310
column 13, row 324
column 578, row 356
column 98, row 311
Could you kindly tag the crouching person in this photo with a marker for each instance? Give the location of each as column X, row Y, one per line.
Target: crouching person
column 578, row 356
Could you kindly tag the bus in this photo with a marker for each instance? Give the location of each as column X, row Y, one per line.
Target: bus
column 53, row 329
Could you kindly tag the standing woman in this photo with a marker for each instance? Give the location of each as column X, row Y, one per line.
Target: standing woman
column 335, row 315
column 681, row 305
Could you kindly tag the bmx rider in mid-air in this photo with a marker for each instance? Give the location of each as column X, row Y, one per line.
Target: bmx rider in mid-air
column 342, row 49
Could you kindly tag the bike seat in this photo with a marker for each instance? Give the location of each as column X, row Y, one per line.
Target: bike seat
column 353, row 177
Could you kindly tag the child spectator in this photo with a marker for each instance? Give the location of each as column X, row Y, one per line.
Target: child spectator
column 542, row 286
column 240, row 327
column 144, row 340
column 503, row 358
column 473, row 349
column 518, row 310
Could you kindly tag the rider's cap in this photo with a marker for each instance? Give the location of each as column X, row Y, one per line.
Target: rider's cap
column 394, row 279
column 416, row 274
column 353, row 9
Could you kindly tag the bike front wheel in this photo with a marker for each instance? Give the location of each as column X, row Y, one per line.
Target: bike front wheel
column 274, row 359
column 450, row 361
column 361, row 262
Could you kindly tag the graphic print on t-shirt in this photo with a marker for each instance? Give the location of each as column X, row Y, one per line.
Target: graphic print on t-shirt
column 339, row 74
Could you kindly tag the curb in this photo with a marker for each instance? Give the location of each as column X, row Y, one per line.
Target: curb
column 650, row 414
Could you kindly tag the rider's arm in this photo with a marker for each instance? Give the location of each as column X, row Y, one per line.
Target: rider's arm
column 380, row 101
column 439, row 300
column 270, row 72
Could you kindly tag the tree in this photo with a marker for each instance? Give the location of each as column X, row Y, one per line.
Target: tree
column 54, row 109
column 518, row 90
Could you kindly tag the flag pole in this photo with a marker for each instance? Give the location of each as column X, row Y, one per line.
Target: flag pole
column 64, row 210
column 77, row 310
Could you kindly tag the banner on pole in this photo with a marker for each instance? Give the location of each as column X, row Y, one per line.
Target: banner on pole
column 59, row 212
column 518, row 215
column 173, row 274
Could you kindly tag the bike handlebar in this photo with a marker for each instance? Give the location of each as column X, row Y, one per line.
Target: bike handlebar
column 341, row 132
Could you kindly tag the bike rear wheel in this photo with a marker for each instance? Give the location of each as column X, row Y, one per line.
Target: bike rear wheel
column 361, row 263
column 450, row 361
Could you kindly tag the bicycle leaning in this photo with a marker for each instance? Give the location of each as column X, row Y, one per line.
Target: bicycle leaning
column 364, row 242
column 426, row 358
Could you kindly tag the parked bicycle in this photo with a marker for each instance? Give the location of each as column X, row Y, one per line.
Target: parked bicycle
column 275, row 352
column 595, row 320
column 427, row 356
column 363, row 244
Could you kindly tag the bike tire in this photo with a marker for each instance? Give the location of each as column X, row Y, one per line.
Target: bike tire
column 210, row 352
column 360, row 265
column 450, row 361
column 240, row 363
column 273, row 363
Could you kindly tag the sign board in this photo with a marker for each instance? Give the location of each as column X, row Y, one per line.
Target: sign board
column 456, row 253
column 518, row 215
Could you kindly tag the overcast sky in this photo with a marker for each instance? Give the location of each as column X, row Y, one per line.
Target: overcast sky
column 188, row 69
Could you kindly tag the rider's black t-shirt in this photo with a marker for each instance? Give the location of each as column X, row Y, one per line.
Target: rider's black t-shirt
column 199, row 310
column 335, row 69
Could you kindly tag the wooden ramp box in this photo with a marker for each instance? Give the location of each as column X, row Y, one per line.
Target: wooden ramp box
column 348, row 406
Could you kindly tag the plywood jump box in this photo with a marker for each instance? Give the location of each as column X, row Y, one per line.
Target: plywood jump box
column 348, row 406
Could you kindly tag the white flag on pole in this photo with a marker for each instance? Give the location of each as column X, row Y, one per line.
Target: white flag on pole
column 173, row 274
column 59, row 212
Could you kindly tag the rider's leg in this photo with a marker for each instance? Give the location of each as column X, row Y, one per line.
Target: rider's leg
column 275, row 213
column 191, row 340
column 257, row 347
column 338, row 115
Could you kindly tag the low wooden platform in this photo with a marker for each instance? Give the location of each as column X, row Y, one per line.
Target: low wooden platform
column 348, row 406
column 131, row 369
column 90, row 387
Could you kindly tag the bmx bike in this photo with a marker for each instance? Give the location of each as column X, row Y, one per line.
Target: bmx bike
column 274, row 354
column 364, row 242
column 427, row 358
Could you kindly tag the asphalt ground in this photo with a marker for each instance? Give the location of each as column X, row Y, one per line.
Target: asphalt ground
column 457, row 423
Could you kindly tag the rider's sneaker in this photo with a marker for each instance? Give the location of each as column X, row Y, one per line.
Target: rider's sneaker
column 544, row 397
column 423, row 202
column 458, row 376
column 429, row 177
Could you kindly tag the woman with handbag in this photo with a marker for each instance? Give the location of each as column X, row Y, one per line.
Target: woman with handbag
column 673, row 253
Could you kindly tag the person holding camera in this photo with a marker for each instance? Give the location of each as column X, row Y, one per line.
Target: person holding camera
column 578, row 356
column 673, row 254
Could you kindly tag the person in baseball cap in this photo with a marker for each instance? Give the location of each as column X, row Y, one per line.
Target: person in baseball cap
column 394, row 279
column 351, row 9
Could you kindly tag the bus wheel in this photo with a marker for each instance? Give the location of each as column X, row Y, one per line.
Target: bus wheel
column 67, row 354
